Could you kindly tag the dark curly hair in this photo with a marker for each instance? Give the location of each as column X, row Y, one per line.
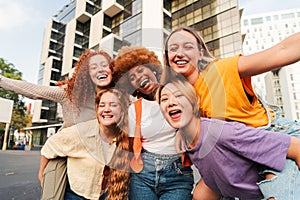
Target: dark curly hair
column 80, row 86
column 130, row 57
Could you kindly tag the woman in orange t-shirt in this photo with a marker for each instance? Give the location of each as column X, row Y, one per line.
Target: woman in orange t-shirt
column 225, row 90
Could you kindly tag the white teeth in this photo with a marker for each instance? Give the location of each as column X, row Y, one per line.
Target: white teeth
column 103, row 76
column 181, row 62
column 144, row 82
column 106, row 116
column 173, row 112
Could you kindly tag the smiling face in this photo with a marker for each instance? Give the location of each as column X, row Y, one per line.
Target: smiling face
column 100, row 71
column 109, row 109
column 176, row 108
column 143, row 79
column 183, row 53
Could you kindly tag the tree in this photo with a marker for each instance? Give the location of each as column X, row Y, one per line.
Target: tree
column 19, row 116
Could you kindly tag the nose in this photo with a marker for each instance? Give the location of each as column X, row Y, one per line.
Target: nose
column 107, row 109
column 100, row 67
column 138, row 76
column 180, row 52
column 172, row 101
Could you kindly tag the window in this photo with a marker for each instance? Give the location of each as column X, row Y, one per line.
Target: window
column 255, row 21
column 288, row 16
column 107, row 21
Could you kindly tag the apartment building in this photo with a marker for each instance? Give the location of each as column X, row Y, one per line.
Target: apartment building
column 261, row 31
column 111, row 24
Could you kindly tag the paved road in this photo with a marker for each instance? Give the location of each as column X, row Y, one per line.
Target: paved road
column 18, row 175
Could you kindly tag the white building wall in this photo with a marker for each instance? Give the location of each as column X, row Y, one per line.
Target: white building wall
column 69, row 42
column 152, row 26
column 96, row 29
column 46, row 41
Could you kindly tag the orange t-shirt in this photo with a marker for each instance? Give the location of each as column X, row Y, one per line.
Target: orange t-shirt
column 222, row 94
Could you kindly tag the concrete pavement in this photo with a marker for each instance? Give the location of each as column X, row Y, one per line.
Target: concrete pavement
column 19, row 175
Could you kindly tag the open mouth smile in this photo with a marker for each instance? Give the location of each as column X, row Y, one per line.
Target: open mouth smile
column 175, row 114
column 102, row 76
column 107, row 116
column 144, row 82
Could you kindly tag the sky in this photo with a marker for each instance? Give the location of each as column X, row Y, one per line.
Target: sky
column 22, row 24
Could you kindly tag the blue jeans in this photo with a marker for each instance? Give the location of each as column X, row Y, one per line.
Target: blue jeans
column 163, row 177
column 70, row 195
column 286, row 184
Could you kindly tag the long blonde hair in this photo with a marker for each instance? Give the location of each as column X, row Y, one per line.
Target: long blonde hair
column 119, row 174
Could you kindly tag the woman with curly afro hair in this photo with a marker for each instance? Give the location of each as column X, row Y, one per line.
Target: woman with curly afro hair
column 162, row 175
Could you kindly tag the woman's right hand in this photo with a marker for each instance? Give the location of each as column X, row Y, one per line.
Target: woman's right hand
column 41, row 176
column 43, row 163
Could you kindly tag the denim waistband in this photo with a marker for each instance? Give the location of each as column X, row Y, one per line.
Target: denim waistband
column 160, row 162
column 160, row 156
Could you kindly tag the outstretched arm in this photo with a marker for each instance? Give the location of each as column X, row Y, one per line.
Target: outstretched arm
column 43, row 163
column 282, row 54
column 33, row 91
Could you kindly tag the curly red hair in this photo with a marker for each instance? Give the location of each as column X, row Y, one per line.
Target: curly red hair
column 130, row 57
column 80, row 86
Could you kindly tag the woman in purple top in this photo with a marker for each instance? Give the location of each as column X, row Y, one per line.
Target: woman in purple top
column 228, row 155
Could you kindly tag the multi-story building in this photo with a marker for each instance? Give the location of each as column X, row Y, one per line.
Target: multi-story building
column 110, row 24
column 261, row 31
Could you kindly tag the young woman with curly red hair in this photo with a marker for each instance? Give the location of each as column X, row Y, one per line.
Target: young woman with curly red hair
column 93, row 70
column 76, row 97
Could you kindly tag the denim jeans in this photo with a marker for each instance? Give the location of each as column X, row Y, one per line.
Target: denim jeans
column 163, row 177
column 286, row 184
column 70, row 195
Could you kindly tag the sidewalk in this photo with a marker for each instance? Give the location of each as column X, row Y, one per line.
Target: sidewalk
column 19, row 175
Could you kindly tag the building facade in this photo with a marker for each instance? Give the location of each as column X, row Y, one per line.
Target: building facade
column 280, row 87
column 111, row 24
